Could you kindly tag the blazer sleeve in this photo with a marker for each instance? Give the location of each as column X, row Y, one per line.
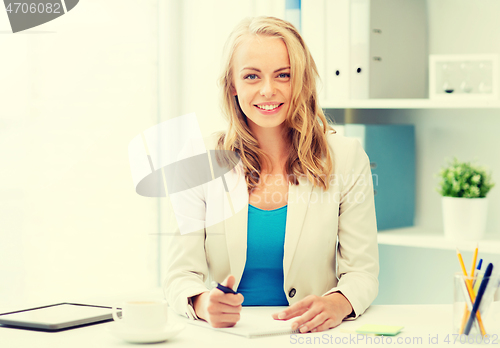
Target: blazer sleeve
column 183, row 250
column 357, row 254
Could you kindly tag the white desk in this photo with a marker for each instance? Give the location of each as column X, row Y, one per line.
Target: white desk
column 421, row 323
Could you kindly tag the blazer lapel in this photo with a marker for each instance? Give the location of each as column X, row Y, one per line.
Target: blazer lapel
column 298, row 203
column 236, row 225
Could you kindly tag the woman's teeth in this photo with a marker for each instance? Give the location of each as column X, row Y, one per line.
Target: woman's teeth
column 268, row 107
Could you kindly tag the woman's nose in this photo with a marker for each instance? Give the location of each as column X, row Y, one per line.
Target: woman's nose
column 268, row 89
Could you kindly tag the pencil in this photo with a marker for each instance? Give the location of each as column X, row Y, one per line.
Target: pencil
column 468, row 282
column 474, row 259
column 466, row 311
column 473, row 268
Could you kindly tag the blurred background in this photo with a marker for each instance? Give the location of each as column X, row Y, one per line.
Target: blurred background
column 75, row 91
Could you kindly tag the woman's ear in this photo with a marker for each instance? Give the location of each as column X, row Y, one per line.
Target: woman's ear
column 233, row 91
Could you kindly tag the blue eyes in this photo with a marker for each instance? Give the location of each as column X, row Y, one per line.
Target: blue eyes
column 254, row 76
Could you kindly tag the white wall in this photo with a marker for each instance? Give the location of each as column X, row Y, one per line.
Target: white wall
column 463, row 26
column 74, row 92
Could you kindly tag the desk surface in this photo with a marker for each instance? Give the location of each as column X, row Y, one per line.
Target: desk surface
column 421, row 322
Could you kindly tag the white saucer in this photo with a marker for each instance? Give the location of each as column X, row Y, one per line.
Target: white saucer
column 140, row 336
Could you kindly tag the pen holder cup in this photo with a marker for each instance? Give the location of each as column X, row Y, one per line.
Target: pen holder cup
column 488, row 320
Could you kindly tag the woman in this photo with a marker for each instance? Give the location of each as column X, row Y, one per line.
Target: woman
column 306, row 236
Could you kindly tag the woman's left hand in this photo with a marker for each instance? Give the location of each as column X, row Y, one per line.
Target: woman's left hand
column 317, row 313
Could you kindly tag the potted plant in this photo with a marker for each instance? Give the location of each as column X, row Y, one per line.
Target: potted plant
column 464, row 188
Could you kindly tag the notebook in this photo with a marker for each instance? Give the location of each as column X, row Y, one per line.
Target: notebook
column 254, row 324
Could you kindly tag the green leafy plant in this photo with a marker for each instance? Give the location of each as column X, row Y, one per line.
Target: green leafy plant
column 462, row 179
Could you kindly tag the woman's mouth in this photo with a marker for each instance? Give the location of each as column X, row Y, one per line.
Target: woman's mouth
column 269, row 108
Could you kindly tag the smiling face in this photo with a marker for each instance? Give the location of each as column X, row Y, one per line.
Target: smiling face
column 261, row 80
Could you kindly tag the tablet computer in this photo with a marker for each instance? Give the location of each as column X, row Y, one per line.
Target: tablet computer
column 60, row 316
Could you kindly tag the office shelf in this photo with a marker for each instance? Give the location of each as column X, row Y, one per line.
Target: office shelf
column 434, row 239
column 411, row 104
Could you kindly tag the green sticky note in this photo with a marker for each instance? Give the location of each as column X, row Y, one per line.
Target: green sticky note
column 386, row 330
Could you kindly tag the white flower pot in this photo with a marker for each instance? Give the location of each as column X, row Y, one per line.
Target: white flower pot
column 464, row 218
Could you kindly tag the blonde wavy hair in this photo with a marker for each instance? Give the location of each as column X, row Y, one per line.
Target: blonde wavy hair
column 305, row 122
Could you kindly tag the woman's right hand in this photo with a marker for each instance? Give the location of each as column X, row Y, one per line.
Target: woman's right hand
column 217, row 308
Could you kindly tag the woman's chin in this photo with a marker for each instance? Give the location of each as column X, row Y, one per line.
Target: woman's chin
column 266, row 123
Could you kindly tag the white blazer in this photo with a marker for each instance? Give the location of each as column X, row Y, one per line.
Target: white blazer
column 330, row 239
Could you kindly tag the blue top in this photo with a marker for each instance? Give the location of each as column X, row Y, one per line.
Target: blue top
column 262, row 280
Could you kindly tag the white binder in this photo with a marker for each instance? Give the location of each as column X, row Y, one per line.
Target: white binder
column 314, row 34
column 337, row 50
column 360, row 49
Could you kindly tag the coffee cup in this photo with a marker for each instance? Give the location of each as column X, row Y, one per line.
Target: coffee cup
column 144, row 315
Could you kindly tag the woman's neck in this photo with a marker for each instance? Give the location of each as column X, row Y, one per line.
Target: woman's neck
column 274, row 143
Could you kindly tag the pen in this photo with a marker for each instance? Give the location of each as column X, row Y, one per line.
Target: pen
column 223, row 288
column 480, row 293
column 469, row 304
column 476, row 282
